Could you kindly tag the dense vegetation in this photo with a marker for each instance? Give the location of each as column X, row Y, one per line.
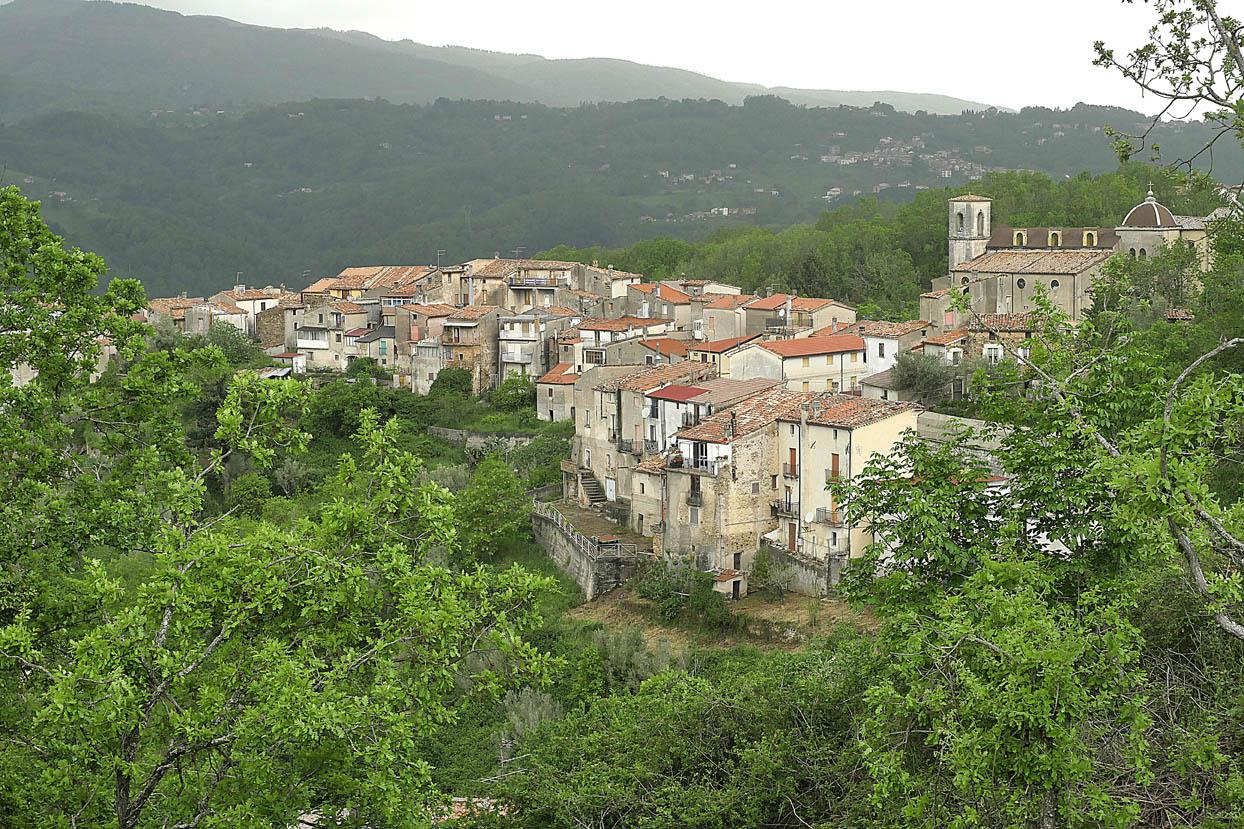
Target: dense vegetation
column 286, row 193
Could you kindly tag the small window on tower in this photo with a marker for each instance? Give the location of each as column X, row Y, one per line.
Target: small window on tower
column 1021, row 283
column 1056, row 239
column 1021, row 239
column 960, row 222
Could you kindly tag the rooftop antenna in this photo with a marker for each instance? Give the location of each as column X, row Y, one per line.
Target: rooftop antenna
column 439, row 254
column 518, row 251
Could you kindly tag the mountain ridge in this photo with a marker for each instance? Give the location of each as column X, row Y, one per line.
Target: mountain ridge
column 104, row 56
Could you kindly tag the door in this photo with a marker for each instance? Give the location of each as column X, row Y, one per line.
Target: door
column 734, row 589
column 834, row 470
column 611, row 489
column 790, row 536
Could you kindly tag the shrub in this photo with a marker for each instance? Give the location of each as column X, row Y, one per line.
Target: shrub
column 248, row 493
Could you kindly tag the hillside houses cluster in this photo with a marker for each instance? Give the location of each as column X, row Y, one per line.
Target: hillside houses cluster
column 704, row 418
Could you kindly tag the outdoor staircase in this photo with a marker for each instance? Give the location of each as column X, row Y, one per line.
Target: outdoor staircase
column 591, row 487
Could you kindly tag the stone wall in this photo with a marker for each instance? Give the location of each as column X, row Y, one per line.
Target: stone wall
column 595, row 569
column 475, row 440
column 804, row 576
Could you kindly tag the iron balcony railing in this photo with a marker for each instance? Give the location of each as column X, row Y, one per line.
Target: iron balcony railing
column 708, row 465
column 825, row 515
column 688, row 419
column 784, row 506
column 651, row 447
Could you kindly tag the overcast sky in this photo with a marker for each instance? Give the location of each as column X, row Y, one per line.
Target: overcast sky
column 1004, row 52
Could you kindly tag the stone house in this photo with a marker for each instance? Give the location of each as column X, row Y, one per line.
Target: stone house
column 719, row 352
column 200, row 318
column 527, row 342
column 724, row 317
column 787, row 315
column 657, row 299
column 825, row 363
column 254, row 301
column 555, row 394
column 469, row 341
column 827, row 439
column 884, row 341
column 319, row 330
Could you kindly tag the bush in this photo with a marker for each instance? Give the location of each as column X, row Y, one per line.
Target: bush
column 687, row 597
column 248, row 493
column 451, row 381
column 515, row 394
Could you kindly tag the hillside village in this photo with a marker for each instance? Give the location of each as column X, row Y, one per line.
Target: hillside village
column 706, row 421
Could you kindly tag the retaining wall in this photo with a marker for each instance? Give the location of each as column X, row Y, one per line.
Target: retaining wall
column 597, row 569
column 474, row 440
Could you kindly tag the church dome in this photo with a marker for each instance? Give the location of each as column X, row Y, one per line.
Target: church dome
column 1149, row 214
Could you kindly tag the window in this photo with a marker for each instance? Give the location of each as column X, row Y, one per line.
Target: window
column 963, row 281
column 959, row 222
column 855, row 356
column 956, row 356
column 1132, row 253
column 829, row 359
column 695, row 516
column 641, row 487
column 1054, row 283
column 773, row 481
column 1021, row 283
column 992, row 352
column 792, row 430
column 1021, row 239
column 1090, row 238
column 805, row 362
column 550, row 392
column 1143, row 254
column 980, row 223
column 755, row 487
column 1056, row 239
column 881, row 349
column 805, row 385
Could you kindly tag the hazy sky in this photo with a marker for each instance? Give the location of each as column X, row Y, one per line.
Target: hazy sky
column 1003, row 52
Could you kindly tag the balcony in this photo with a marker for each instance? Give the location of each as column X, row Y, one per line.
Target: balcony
column 688, row 419
column 651, row 447
column 832, row 517
column 453, row 338
column 695, row 498
column 706, row 465
column 531, row 281
column 517, row 355
column 789, row 508
column 631, row 447
column 790, row 470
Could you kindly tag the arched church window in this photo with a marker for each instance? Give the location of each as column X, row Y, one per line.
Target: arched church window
column 980, row 223
column 1143, row 254
column 1090, row 239
column 960, row 220
column 1053, row 284
column 1056, row 239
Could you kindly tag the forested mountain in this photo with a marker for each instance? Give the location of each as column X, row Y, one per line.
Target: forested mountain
column 63, row 54
column 185, row 200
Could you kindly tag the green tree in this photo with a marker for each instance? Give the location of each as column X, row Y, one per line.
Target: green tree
column 247, row 494
column 927, row 379
column 514, row 394
column 493, row 511
column 451, row 381
column 161, row 665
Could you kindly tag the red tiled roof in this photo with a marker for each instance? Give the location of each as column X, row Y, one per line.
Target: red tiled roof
column 347, row 307
column 947, row 337
column 472, row 312
column 666, row 345
column 664, row 292
column 1065, row 261
column 885, row 328
column 653, row 376
column 728, row 302
column 676, row 393
column 319, row 286
column 435, row 309
column 748, row 416
column 810, row 346
column 935, row 294
column 1011, row 323
column 846, row 411
column 719, row 346
column 798, row 303
column 497, row 268
column 559, row 375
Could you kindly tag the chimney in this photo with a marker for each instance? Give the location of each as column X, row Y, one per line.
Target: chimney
column 768, row 290
column 730, row 426
column 789, row 300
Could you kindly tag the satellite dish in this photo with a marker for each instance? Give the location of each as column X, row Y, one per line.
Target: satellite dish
column 809, row 517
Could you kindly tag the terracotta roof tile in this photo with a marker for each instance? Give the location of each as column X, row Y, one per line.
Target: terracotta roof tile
column 747, row 417
column 846, row 411
column 1012, row 323
column 621, row 323
column 651, row 377
column 884, row 328
column 1044, row 261
column 345, row 306
column 947, row 337
column 721, row 391
column 676, row 393
column 664, row 292
column 559, row 375
column 810, row 346
column 728, row 302
column 472, row 312
column 798, row 303
column 435, row 309
column 667, row 346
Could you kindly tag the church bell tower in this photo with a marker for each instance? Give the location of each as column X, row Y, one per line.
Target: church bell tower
column 969, row 227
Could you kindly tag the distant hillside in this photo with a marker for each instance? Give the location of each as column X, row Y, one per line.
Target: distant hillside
column 104, row 56
column 185, row 200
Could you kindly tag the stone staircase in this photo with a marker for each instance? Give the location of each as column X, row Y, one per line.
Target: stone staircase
column 591, row 487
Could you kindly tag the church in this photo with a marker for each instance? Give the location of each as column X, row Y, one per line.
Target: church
column 1000, row 269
